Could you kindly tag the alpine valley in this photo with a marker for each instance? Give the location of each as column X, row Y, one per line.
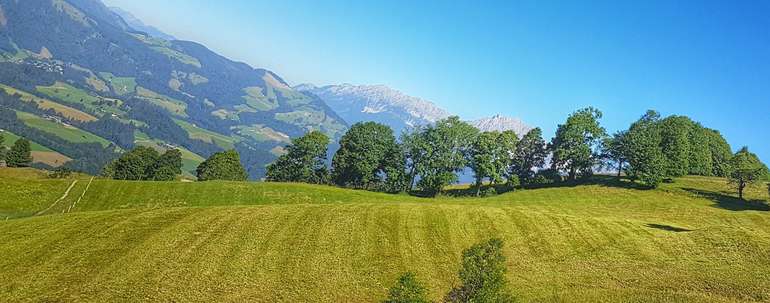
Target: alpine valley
column 85, row 83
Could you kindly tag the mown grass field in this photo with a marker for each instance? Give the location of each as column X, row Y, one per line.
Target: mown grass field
column 227, row 241
column 66, row 132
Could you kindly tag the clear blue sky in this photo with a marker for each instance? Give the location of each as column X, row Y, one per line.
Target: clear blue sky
column 537, row 60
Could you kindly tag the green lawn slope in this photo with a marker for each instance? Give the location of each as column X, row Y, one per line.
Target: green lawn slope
column 116, row 241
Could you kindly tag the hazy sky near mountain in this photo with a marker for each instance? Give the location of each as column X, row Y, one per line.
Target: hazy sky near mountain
column 537, row 60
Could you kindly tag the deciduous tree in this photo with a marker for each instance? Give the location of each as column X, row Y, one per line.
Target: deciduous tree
column 745, row 170
column 645, row 158
column 530, row 154
column 577, row 145
column 168, row 166
column 482, row 275
column 369, row 157
column 616, row 150
column 304, row 161
column 224, row 165
column 407, row 290
column 486, row 156
column 447, row 151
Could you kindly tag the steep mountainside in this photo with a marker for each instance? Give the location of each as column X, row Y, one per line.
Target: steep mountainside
column 502, row 123
column 62, row 60
column 138, row 25
column 356, row 103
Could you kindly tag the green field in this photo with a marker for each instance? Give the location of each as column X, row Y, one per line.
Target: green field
column 228, row 241
column 205, row 135
column 120, row 85
column 11, row 138
column 73, row 95
column 69, row 133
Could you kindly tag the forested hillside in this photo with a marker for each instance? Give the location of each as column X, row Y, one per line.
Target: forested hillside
column 78, row 64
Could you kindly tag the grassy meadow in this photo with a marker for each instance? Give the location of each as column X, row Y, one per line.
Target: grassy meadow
column 604, row 241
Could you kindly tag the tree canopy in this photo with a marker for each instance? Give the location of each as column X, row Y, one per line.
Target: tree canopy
column 577, row 144
column 645, row 158
column 482, row 275
column 447, row 150
column 304, row 161
column 369, row 157
column 20, row 154
column 746, row 169
column 145, row 163
column 224, row 165
column 530, row 154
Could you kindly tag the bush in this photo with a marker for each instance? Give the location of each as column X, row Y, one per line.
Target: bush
column 407, row 290
column 60, row 173
column 551, row 175
column 482, row 275
column 489, row 192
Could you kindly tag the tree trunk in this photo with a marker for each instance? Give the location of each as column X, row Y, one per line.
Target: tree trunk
column 620, row 169
column 572, row 174
column 478, row 187
column 741, row 186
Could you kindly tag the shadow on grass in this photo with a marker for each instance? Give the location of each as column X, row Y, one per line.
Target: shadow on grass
column 729, row 202
column 600, row 180
column 668, row 228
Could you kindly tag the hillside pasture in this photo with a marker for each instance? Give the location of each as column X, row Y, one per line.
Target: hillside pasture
column 66, row 132
column 42, row 103
column 238, row 241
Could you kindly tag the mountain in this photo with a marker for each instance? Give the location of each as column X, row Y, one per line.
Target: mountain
column 379, row 103
column 502, row 123
column 138, row 25
column 108, row 87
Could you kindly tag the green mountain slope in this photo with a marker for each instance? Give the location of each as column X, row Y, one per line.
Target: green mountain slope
column 230, row 241
column 80, row 56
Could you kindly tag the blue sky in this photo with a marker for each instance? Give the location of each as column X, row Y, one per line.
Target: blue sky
column 537, row 60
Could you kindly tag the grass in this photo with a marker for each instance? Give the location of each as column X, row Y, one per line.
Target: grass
column 40, row 153
column 69, row 133
column 232, row 241
column 63, row 110
column 120, row 85
column 173, row 106
column 73, row 95
column 205, row 135
column 11, row 138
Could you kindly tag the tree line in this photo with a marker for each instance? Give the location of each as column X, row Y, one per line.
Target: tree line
column 427, row 158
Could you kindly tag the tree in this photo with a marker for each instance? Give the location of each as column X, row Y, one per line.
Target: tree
column 699, row 157
column 616, row 149
column 2, row 148
column 304, row 161
column 224, row 165
column 487, row 159
column 413, row 147
column 137, row 164
column 168, row 166
column 577, row 145
column 507, row 144
column 407, row 290
column 447, row 151
column 530, row 154
column 20, row 154
column 482, row 275
column 746, row 169
column 675, row 144
column 368, row 157
column 645, row 158
column 720, row 152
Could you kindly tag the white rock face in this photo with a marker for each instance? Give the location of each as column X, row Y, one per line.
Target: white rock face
column 379, row 103
column 502, row 123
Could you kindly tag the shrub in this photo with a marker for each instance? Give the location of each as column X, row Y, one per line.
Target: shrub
column 482, row 275
column 407, row 290
column 60, row 173
column 489, row 192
